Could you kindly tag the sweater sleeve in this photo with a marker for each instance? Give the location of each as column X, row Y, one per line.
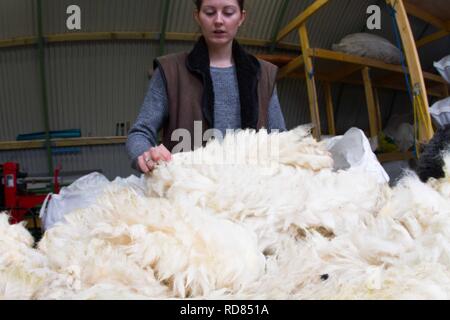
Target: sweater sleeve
column 275, row 117
column 154, row 111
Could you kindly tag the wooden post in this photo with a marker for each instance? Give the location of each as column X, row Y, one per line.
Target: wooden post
column 291, row 67
column 371, row 109
column 301, row 19
column 377, row 106
column 310, row 82
column 415, row 69
column 330, row 111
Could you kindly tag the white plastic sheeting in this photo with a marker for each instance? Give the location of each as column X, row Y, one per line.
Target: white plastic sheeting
column 443, row 67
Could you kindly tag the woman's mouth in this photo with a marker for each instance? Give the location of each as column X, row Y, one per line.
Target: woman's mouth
column 219, row 32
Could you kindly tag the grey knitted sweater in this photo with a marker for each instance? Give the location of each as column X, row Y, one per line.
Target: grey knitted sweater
column 227, row 115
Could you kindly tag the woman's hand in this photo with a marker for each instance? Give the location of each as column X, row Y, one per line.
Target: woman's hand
column 147, row 161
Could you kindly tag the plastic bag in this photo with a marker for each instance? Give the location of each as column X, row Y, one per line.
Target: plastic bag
column 80, row 194
column 443, row 67
column 401, row 130
column 136, row 184
column 370, row 46
column 440, row 112
column 352, row 152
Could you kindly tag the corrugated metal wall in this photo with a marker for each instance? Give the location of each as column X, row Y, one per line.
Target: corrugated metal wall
column 17, row 18
column 19, row 92
column 93, row 85
column 109, row 160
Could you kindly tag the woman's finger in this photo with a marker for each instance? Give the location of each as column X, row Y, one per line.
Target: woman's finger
column 165, row 153
column 151, row 165
column 148, row 159
column 155, row 154
column 142, row 165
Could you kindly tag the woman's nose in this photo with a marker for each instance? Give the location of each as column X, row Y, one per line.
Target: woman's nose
column 218, row 19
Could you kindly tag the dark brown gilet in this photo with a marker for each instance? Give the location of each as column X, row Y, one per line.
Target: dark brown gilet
column 188, row 101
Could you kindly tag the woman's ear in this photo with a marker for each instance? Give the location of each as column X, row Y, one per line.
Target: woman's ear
column 243, row 17
column 196, row 17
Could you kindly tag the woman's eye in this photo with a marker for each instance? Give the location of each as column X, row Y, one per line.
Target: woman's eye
column 209, row 13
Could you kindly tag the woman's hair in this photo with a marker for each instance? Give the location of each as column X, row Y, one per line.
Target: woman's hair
column 198, row 4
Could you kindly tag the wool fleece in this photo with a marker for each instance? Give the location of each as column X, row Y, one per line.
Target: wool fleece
column 255, row 216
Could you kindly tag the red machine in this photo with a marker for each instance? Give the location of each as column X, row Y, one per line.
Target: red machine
column 17, row 199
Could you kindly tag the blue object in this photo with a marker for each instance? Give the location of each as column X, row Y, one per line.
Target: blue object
column 65, row 150
column 73, row 133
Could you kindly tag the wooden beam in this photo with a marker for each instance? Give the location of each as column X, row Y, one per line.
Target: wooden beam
column 192, row 37
column 433, row 77
column 424, row 15
column 98, row 36
column 291, row 67
column 390, row 85
column 69, row 142
column 395, row 81
column 399, row 78
column 402, row 87
column 432, row 37
column 90, row 141
column 362, row 61
column 394, row 156
column 343, row 72
column 17, row 42
column 371, row 108
column 300, row 74
column 310, row 82
column 343, row 57
column 301, row 18
column 415, row 69
column 330, row 109
column 277, row 59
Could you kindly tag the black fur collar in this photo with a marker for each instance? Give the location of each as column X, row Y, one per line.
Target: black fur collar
column 247, row 70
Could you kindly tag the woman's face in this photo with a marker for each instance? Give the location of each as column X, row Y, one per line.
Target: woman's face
column 219, row 20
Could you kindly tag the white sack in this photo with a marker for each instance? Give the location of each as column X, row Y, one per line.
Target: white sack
column 370, row 46
column 443, row 67
column 352, row 152
column 440, row 112
column 80, row 194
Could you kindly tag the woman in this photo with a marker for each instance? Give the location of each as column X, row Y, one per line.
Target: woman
column 217, row 85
